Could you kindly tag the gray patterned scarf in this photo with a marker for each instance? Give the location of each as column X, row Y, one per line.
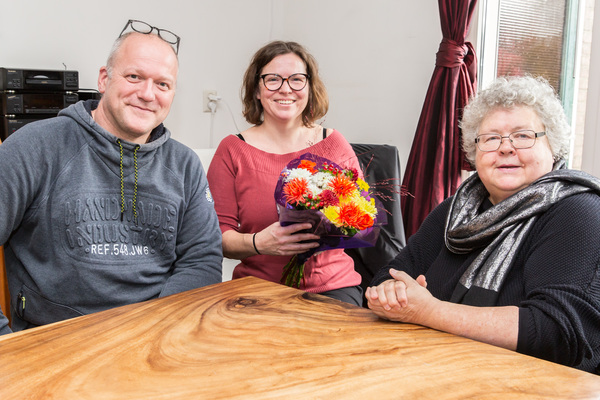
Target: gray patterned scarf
column 501, row 229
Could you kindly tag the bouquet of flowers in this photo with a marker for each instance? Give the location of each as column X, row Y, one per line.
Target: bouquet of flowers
column 335, row 200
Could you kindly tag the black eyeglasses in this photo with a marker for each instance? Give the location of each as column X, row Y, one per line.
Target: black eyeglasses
column 519, row 140
column 143, row 27
column 274, row 82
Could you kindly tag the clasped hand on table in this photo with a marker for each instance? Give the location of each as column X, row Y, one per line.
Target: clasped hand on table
column 402, row 299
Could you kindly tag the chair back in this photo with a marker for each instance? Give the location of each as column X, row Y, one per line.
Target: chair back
column 380, row 164
column 4, row 295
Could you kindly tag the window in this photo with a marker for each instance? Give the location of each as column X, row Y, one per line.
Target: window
column 539, row 37
column 530, row 38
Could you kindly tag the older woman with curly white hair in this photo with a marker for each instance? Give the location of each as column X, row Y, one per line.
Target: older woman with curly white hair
column 512, row 259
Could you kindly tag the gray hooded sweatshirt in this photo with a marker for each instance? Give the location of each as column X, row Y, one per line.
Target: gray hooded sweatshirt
column 79, row 238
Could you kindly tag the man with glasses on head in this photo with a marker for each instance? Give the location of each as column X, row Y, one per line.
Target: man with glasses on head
column 101, row 208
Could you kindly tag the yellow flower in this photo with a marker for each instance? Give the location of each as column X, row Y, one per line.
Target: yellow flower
column 367, row 206
column 332, row 213
column 364, row 186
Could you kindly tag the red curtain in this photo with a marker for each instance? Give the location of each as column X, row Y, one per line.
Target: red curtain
column 436, row 158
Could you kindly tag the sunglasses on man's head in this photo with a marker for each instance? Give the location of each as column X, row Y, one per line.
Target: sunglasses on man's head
column 143, row 27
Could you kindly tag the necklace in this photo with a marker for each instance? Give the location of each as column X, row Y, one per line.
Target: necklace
column 314, row 140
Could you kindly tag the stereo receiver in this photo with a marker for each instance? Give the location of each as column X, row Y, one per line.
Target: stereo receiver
column 8, row 125
column 38, row 80
column 36, row 103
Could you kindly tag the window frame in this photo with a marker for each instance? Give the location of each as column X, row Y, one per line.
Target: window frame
column 487, row 50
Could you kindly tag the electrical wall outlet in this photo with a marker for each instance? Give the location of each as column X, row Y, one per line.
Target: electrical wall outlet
column 206, row 100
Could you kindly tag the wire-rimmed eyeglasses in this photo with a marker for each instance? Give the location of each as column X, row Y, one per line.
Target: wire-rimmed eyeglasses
column 519, row 140
column 274, row 82
column 143, row 27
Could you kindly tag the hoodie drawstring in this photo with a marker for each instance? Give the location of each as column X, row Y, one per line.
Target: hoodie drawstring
column 135, row 176
column 135, row 171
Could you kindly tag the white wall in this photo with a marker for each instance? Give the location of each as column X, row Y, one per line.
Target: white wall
column 376, row 57
column 591, row 144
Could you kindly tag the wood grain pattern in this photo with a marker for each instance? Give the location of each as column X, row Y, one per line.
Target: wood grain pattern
column 249, row 338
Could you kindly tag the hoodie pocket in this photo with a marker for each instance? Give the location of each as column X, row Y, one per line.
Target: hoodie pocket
column 35, row 309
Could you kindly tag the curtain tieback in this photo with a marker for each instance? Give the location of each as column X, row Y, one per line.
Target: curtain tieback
column 451, row 54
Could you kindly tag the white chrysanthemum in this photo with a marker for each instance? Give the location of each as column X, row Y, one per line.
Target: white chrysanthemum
column 322, row 179
column 314, row 189
column 298, row 173
column 318, row 182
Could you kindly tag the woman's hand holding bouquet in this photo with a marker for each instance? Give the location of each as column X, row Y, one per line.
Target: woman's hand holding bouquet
column 277, row 240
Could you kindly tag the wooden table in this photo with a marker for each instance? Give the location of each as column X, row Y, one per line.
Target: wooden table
column 251, row 339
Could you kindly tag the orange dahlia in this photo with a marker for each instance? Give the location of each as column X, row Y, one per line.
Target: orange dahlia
column 364, row 221
column 308, row 165
column 351, row 216
column 342, row 186
column 295, row 190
